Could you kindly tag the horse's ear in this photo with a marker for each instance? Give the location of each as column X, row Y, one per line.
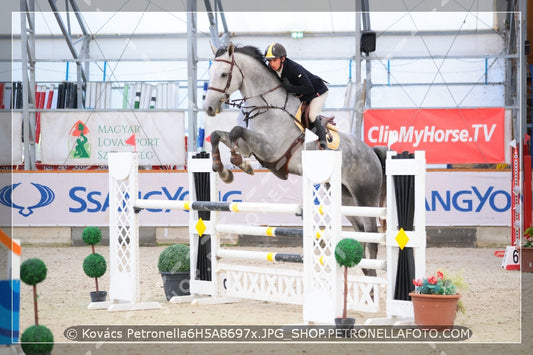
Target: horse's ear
column 213, row 48
column 231, row 48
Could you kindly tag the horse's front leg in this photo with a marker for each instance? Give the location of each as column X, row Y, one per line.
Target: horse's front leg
column 225, row 174
column 372, row 248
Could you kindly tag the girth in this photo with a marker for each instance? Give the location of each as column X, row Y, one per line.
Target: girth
column 280, row 167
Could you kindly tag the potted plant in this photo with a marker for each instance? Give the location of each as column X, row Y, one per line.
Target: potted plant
column 36, row 339
column 348, row 253
column 94, row 264
column 436, row 301
column 174, row 267
column 526, row 258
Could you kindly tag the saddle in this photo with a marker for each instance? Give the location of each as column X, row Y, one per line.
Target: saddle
column 303, row 122
column 280, row 167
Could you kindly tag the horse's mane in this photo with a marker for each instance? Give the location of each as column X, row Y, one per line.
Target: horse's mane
column 251, row 51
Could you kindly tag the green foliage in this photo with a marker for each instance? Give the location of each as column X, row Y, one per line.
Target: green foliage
column 441, row 284
column 94, row 265
column 348, row 252
column 37, row 339
column 33, row 271
column 91, row 235
column 174, row 258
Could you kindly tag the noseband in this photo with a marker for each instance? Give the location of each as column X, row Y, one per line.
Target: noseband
column 232, row 63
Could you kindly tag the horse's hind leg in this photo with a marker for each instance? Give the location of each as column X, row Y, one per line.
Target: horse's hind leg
column 361, row 224
column 225, row 174
column 240, row 147
column 371, row 248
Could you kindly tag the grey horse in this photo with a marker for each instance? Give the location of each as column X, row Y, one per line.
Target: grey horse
column 274, row 139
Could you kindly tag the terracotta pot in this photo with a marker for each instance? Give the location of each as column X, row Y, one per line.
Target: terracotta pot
column 434, row 311
column 526, row 260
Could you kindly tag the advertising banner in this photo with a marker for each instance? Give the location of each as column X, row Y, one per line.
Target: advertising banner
column 85, row 138
column 453, row 198
column 449, row 136
column 82, row 198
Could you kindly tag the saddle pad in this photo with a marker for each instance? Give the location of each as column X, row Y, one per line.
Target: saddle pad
column 332, row 136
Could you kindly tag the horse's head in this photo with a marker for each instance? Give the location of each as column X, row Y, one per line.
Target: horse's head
column 225, row 77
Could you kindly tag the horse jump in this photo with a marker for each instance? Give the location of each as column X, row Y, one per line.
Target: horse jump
column 317, row 286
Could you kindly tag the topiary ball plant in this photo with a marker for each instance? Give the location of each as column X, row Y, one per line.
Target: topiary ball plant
column 91, row 236
column 94, row 266
column 348, row 253
column 174, row 258
column 37, row 339
column 33, row 271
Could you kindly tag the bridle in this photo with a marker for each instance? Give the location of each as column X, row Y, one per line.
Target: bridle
column 232, row 64
column 225, row 91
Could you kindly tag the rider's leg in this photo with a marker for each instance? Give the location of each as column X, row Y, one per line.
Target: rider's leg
column 315, row 107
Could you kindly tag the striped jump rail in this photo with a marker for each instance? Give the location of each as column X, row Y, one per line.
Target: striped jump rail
column 377, row 264
column 363, row 237
column 255, row 207
column 260, row 255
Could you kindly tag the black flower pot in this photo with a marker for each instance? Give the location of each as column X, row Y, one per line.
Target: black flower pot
column 98, row 296
column 345, row 326
column 176, row 284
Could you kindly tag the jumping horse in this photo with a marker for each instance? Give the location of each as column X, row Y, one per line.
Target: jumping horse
column 274, row 139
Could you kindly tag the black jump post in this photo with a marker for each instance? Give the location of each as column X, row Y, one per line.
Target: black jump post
column 405, row 205
column 203, row 193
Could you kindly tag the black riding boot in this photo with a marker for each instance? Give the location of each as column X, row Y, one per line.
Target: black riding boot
column 319, row 130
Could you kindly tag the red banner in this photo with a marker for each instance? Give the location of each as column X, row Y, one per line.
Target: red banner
column 449, row 136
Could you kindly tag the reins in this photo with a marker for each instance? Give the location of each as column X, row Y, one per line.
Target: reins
column 254, row 110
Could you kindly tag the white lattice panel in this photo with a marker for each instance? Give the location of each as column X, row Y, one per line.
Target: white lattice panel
column 123, row 243
column 364, row 293
column 322, row 228
column 262, row 283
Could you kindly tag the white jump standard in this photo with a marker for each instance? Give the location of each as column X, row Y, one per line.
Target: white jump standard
column 318, row 285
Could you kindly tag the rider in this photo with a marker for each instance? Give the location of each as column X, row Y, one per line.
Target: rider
column 300, row 82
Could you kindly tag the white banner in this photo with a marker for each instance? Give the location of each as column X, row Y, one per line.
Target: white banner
column 468, row 198
column 453, row 198
column 10, row 138
column 85, row 137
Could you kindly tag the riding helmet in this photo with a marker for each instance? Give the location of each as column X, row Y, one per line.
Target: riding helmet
column 275, row 50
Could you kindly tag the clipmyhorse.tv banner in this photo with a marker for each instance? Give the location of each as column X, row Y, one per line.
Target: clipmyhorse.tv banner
column 449, row 136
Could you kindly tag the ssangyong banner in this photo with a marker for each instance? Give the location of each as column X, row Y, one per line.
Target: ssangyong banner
column 86, row 137
column 449, row 136
column 453, row 198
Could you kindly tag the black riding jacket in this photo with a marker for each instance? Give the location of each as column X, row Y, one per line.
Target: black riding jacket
column 301, row 82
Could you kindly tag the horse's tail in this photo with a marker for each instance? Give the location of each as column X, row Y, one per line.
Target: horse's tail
column 381, row 152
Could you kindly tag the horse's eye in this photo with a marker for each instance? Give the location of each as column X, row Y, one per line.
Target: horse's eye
column 224, row 75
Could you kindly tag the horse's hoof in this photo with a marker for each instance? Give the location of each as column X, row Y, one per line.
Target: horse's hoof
column 217, row 168
column 226, row 176
column 248, row 170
